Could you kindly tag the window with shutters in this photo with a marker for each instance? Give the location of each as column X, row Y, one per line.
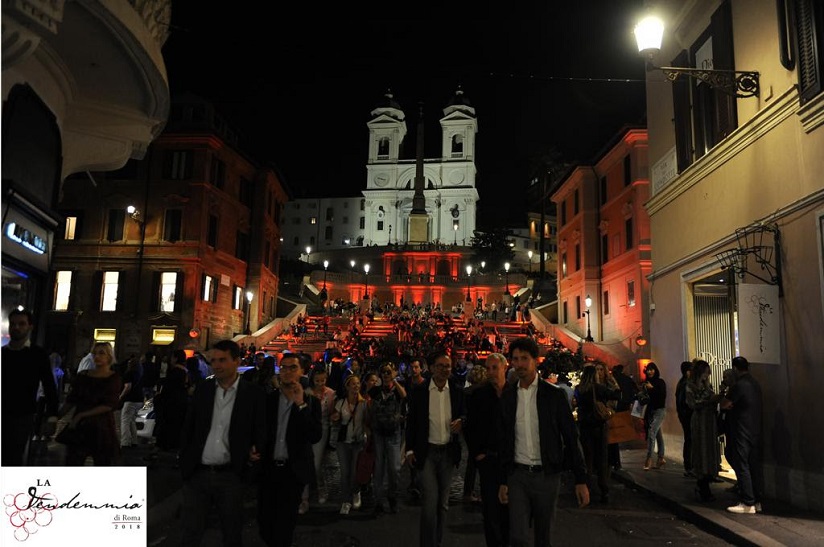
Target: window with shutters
column 108, row 299
column 810, row 47
column 72, row 228
column 209, row 292
column 62, row 290
column 171, row 225
column 627, row 170
column 218, row 173
column 177, row 164
column 704, row 116
column 117, row 218
column 168, row 286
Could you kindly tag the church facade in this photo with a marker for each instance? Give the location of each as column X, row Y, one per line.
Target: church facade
column 382, row 215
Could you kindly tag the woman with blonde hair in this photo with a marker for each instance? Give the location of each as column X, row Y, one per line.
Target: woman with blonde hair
column 350, row 413
column 94, row 396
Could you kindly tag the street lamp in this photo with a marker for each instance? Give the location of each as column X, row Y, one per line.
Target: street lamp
column 249, row 296
column 506, row 274
column 588, row 302
column 468, row 273
column 308, row 250
column 366, row 281
column 352, row 264
column 529, row 254
column 323, row 293
column 483, row 264
column 649, row 33
column 455, row 229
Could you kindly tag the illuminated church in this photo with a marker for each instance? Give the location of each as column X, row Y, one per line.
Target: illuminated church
column 445, row 212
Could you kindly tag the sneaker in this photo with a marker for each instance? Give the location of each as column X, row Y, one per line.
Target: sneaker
column 344, row 508
column 742, row 509
column 356, row 501
column 303, row 508
column 758, row 508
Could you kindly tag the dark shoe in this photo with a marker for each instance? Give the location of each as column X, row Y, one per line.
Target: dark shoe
column 704, row 497
column 689, row 474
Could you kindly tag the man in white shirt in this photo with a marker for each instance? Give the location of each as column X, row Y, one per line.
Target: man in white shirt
column 223, row 433
column 436, row 413
column 535, row 417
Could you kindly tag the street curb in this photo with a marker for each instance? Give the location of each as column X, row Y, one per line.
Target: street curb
column 710, row 520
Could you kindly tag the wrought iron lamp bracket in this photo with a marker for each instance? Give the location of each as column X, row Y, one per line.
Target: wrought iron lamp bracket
column 732, row 82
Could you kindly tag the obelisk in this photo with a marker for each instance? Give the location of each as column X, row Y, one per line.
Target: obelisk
column 418, row 218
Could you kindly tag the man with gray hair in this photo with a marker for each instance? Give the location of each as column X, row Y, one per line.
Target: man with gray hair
column 482, row 436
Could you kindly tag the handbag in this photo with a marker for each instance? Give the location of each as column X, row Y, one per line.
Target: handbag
column 602, row 411
column 621, row 428
column 638, row 410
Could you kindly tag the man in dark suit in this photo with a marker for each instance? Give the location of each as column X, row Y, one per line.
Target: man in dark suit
column 223, row 431
column 436, row 413
column 294, row 425
column 538, row 437
column 482, row 440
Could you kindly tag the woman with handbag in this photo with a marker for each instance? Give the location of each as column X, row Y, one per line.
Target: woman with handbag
column 656, row 388
column 350, row 414
column 593, row 413
column 93, row 397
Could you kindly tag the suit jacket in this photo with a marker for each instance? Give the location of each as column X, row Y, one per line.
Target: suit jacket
column 417, row 424
column 560, row 446
column 302, row 431
column 246, row 428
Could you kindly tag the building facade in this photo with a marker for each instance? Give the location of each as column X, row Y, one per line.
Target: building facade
column 737, row 217
column 381, row 216
column 84, row 88
column 604, row 250
column 180, row 249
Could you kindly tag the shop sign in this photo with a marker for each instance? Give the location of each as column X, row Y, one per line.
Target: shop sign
column 759, row 323
column 25, row 237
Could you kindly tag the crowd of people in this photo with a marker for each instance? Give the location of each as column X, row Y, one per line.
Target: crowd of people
column 379, row 406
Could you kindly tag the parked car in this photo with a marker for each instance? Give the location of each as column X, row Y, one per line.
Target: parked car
column 145, row 420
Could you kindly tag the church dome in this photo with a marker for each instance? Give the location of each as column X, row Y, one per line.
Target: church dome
column 389, row 106
column 459, row 101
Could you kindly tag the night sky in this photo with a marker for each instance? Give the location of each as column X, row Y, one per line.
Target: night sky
column 299, row 82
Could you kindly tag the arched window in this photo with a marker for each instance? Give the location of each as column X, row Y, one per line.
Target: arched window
column 383, row 147
column 457, row 145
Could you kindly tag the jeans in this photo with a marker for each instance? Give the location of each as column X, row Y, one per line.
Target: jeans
column 654, row 433
column 225, row 490
column 747, row 465
column 388, row 463
column 128, row 427
column 348, row 458
column 594, row 445
column 436, row 477
column 318, row 452
column 496, row 515
column 532, row 494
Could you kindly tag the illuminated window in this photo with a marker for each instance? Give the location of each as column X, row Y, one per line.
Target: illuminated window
column 208, row 288
column 71, row 228
column 168, row 285
column 63, row 290
column 630, row 293
column 563, row 265
column 110, row 284
column 313, row 220
column 237, row 298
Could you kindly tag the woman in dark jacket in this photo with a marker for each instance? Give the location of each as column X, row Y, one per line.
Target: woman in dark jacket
column 656, row 388
column 593, row 429
column 704, row 403
column 170, row 409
